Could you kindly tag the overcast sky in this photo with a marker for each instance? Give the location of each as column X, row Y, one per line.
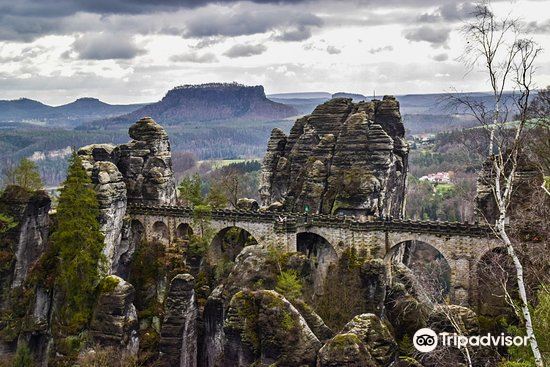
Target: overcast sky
column 127, row 51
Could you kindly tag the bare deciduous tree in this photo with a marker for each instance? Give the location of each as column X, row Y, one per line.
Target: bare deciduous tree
column 497, row 47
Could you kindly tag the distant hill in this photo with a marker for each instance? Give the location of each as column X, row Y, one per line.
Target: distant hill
column 206, row 102
column 68, row 115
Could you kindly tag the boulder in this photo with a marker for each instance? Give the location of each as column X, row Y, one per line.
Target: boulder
column 247, row 204
column 375, row 336
column 405, row 312
column 262, row 327
column 345, row 350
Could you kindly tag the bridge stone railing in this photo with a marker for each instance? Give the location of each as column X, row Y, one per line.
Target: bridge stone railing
column 287, row 221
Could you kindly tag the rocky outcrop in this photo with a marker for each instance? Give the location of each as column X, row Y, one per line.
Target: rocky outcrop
column 139, row 171
column 262, row 327
column 343, row 158
column 528, row 177
column 364, row 341
column 376, row 337
column 146, row 164
column 178, row 335
column 345, row 350
column 111, row 196
column 114, row 321
column 29, row 238
column 374, row 282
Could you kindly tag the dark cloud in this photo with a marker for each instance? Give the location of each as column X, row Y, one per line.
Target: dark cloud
column 245, row 50
column 450, row 12
column 381, row 49
column 333, row 50
column 195, row 58
column 441, row 57
column 103, row 46
column 436, row 36
column 212, row 22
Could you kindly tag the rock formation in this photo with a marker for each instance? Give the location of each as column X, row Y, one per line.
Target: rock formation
column 528, row 177
column 139, row 171
column 29, row 239
column 344, row 158
column 262, row 327
column 115, row 322
column 364, row 341
column 178, row 335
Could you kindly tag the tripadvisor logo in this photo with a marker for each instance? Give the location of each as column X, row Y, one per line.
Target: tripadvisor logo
column 425, row 340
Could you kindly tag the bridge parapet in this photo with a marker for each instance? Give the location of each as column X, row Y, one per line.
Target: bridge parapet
column 287, row 221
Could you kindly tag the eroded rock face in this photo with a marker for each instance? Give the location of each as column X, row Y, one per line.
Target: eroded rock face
column 30, row 237
column 364, row 341
column 146, row 164
column 139, row 171
column 111, row 196
column 375, row 336
column 263, row 327
column 343, row 158
column 345, row 350
column 114, row 321
column 178, row 335
column 528, row 177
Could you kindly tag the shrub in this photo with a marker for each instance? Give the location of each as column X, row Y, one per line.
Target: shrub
column 289, row 285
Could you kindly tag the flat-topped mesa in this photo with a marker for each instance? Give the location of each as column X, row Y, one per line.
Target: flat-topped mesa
column 345, row 158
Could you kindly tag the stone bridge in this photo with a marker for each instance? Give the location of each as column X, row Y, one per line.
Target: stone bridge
column 461, row 244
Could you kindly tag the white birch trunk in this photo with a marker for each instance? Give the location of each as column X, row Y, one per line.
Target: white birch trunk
column 501, row 230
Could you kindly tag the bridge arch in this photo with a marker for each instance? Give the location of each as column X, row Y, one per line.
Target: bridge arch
column 320, row 252
column 160, row 232
column 184, row 231
column 229, row 242
column 432, row 268
column 494, row 274
column 137, row 232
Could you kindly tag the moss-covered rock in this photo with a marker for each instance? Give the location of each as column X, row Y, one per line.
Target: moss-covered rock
column 263, row 327
column 345, row 350
column 376, row 337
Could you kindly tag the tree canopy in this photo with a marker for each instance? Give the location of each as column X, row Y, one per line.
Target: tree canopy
column 78, row 243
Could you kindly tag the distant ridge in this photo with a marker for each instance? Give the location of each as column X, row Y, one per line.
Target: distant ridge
column 70, row 114
column 205, row 102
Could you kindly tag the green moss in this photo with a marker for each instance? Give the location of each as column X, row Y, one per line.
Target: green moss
column 248, row 311
column 288, row 322
column 342, row 341
column 108, row 284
